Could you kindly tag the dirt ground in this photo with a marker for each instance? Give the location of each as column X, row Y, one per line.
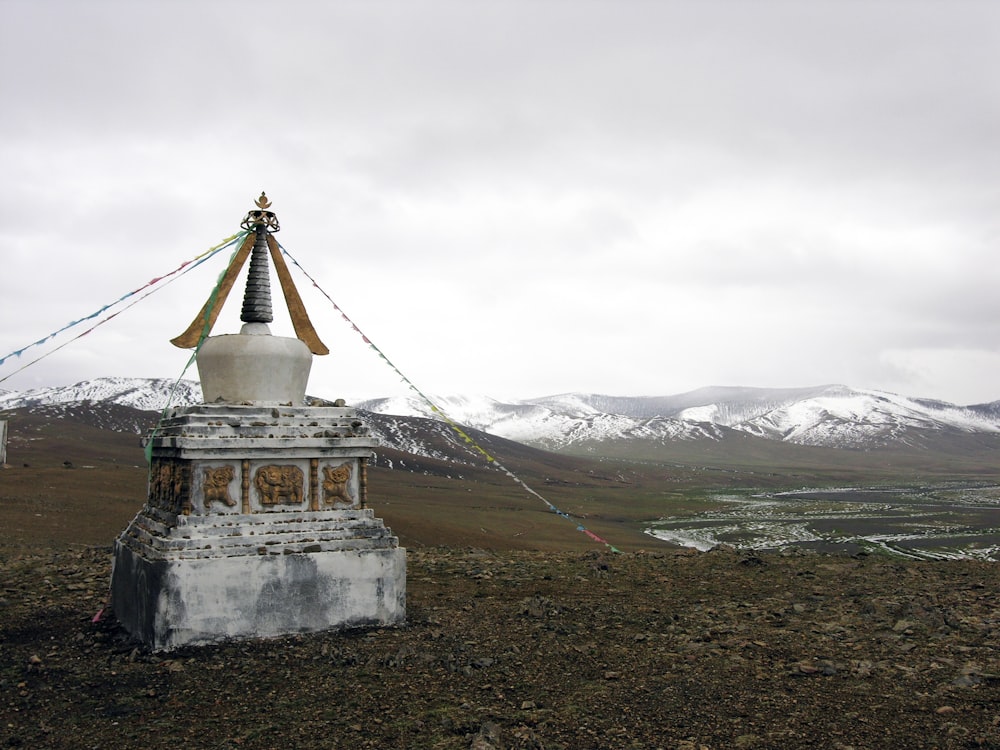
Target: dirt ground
column 515, row 649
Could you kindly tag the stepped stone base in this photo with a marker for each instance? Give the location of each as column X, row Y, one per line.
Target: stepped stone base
column 255, row 527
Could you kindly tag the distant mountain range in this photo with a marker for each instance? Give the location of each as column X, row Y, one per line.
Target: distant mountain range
column 145, row 394
column 700, row 467
column 832, row 416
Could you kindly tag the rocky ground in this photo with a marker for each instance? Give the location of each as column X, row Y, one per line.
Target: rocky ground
column 531, row 650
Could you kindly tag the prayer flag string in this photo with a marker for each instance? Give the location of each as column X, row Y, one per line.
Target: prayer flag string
column 213, row 299
column 444, row 417
column 189, row 265
column 182, row 269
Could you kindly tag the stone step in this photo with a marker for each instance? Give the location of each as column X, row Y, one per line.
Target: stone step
column 155, row 535
column 258, row 422
column 253, row 520
column 216, row 412
column 302, row 547
column 205, row 531
column 163, row 524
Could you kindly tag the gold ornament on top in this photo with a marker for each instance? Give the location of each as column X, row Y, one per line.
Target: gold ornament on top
column 261, row 217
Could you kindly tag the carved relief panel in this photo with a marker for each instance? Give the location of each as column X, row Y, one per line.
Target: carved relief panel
column 339, row 489
column 217, row 484
column 184, row 486
column 279, row 485
column 170, row 485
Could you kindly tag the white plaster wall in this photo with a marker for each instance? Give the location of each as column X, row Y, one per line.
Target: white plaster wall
column 237, row 368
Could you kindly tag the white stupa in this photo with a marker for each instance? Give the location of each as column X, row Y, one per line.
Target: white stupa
column 256, row 522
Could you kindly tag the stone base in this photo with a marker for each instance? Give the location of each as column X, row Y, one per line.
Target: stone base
column 184, row 581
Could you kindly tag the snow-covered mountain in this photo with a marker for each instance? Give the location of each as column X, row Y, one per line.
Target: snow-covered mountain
column 832, row 415
column 146, row 394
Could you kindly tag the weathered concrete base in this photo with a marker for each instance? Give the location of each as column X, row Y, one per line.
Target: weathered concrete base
column 168, row 604
column 253, row 578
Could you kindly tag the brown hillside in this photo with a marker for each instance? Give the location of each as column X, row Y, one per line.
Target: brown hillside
column 567, row 646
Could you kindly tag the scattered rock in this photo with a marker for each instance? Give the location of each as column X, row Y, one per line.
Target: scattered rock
column 489, row 737
column 674, row 651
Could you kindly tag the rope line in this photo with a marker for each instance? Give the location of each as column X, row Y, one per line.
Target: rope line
column 444, row 417
column 147, row 449
column 190, row 265
column 213, row 299
column 182, row 269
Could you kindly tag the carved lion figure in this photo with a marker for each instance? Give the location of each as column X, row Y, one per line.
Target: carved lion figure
column 279, row 485
column 216, row 485
column 336, row 484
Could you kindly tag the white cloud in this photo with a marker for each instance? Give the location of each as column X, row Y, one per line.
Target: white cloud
column 520, row 198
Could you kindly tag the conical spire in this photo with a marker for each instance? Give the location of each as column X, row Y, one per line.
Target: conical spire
column 260, row 224
column 257, row 297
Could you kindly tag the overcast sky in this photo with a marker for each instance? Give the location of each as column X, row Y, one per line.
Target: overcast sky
column 517, row 199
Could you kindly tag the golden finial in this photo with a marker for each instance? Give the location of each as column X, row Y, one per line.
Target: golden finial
column 260, row 225
column 261, row 217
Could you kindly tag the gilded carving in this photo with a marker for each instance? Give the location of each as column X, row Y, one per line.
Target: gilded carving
column 169, row 486
column 337, row 484
column 182, row 488
column 245, row 485
column 363, row 481
column 161, row 484
column 313, row 484
column 216, row 485
column 279, row 485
